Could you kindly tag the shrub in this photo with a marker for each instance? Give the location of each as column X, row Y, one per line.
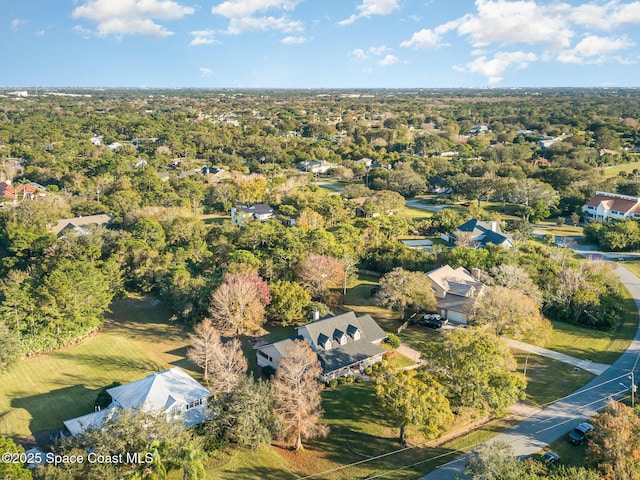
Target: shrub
column 383, row 364
column 358, row 380
column 342, row 380
column 268, row 371
column 333, row 383
column 393, row 340
column 349, row 378
column 368, row 370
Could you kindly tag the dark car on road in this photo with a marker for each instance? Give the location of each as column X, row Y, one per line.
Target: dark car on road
column 432, row 320
column 578, row 434
column 550, row 458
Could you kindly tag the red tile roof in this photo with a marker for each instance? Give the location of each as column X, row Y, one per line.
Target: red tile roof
column 617, row 204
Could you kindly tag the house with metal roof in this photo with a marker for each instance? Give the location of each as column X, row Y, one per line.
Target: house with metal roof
column 481, row 234
column 243, row 212
column 173, row 392
column 343, row 343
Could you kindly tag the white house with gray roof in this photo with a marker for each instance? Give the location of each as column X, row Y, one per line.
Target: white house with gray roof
column 342, row 343
column 456, row 291
column 173, row 392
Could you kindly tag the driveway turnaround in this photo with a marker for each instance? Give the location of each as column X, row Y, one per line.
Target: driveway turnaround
column 559, row 418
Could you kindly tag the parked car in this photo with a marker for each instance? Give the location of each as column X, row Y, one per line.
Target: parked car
column 432, row 320
column 550, row 458
column 578, row 434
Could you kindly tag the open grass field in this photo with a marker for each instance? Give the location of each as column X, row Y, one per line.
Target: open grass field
column 549, row 380
column 209, row 218
column 39, row 393
column 358, row 431
column 550, row 228
column 595, row 345
column 614, row 170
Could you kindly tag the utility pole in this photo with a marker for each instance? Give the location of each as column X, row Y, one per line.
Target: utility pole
column 633, row 390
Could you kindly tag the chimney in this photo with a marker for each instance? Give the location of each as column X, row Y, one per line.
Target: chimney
column 494, row 226
column 475, row 273
column 315, row 315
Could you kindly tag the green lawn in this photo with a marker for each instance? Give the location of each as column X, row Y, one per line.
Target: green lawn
column 39, row 393
column 548, row 379
column 595, row 345
column 550, row 228
column 209, row 218
column 358, row 430
column 633, row 265
column 614, row 170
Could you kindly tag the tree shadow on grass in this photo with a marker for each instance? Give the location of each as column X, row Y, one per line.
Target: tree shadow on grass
column 48, row 410
column 109, row 362
column 260, row 473
column 183, row 362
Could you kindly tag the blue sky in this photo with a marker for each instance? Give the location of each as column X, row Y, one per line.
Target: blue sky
column 320, row 43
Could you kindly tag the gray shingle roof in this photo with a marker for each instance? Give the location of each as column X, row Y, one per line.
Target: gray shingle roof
column 353, row 351
column 370, row 331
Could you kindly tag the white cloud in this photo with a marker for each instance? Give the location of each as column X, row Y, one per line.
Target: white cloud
column 130, row 17
column 242, row 24
column 203, row 37
column 240, row 15
column 358, row 54
column 594, row 49
column 205, row 72
column 494, row 68
column 508, row 22
column 425, row 38
column 388, row 60
column 40, row 33
column 291, row 40
column 246, row 8
column 16, row 23
column 369, row 8
column 607, row 16
column 382, row 49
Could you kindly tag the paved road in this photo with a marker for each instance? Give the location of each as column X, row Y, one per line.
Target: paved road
column 555, row 421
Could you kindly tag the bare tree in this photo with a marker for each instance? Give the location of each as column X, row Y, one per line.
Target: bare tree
column 223, row 363
column 297, row 392
column 464, row 239
column 319, row 273
column 238, row 305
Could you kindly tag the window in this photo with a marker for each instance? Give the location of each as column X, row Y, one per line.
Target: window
column 264, row 355
column 194, row 404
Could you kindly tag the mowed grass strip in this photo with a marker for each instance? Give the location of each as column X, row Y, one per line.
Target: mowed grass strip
column 40, row 392
column 595, row 345
column 549, row 380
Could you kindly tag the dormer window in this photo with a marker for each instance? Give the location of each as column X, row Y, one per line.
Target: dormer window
column 353, row 332
column 325, row 342
column 340, row 337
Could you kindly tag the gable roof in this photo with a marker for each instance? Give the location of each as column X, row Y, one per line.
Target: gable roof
column 99, row 220
column 370, row 331
column 455, row 282
column 159, row 391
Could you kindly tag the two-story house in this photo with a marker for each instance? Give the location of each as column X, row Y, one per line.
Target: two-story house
column 604, row 206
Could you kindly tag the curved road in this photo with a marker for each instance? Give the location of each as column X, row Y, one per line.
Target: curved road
column 555, row 421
